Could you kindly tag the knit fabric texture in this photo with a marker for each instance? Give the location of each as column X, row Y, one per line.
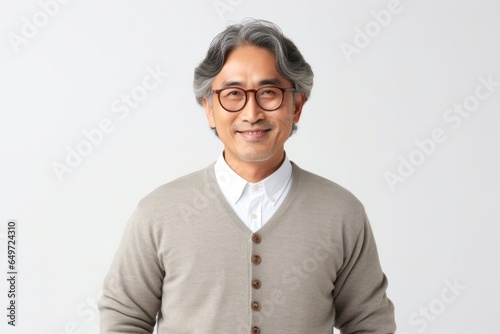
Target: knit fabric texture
column 189, row 265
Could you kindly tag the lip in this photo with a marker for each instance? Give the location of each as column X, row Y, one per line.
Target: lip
column 254, row 134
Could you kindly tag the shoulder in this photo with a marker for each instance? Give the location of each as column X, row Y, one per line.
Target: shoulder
column 175, row 193
column 325, row 192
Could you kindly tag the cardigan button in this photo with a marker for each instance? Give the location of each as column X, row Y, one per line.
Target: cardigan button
column 256, row 259
column 255, row 330
column 255, row 306
column 256, row 284
column 256, row 238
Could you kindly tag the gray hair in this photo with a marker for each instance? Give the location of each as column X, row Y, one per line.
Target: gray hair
column 289, row 61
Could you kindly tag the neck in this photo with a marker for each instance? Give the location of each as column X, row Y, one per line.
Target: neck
column 255, row 171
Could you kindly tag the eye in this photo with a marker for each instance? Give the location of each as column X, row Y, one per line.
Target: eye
column 269, row 92
column 232, row 93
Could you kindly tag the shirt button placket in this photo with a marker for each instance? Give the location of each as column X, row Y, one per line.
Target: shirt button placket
column 256, row 283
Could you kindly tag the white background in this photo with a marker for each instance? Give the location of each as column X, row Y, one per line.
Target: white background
column 438, row 227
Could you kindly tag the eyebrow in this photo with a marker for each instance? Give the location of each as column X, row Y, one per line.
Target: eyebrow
column 265, row 82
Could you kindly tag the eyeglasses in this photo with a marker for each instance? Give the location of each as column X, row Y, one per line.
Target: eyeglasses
column 268, row 98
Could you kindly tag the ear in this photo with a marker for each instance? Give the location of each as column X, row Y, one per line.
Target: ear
column 209, row 110
column 300, row 99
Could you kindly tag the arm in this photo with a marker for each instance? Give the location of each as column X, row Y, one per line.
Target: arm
column 360, row 299
column 132, row 289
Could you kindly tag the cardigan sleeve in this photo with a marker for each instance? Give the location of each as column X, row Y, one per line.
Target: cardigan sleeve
column 360, row 300
column 132, row 289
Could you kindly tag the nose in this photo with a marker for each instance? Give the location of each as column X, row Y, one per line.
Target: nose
column 252, row 112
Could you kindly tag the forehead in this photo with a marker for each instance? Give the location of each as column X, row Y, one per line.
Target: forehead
column 249, row 66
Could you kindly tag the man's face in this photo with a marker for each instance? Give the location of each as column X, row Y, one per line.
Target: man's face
column 253, row 134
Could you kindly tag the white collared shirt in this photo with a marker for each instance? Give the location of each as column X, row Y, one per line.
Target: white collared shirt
column 254, row 203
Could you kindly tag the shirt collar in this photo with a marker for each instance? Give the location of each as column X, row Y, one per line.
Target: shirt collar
column 233, row 185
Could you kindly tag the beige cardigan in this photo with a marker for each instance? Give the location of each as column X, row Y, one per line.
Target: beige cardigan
column 189, row 263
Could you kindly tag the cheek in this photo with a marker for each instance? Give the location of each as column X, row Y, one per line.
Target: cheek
column 287, row 119
column 224, row 120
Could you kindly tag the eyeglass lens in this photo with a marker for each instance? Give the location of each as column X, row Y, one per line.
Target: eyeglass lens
column 234, row 99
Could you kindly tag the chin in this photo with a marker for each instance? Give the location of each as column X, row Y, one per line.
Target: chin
column 256, row 156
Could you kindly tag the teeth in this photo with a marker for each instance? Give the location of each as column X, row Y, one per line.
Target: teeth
column 253, row 132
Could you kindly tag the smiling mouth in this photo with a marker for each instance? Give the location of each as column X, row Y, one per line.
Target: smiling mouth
column 254, row 134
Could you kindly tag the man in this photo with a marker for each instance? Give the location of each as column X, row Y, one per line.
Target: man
column 252, row 243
